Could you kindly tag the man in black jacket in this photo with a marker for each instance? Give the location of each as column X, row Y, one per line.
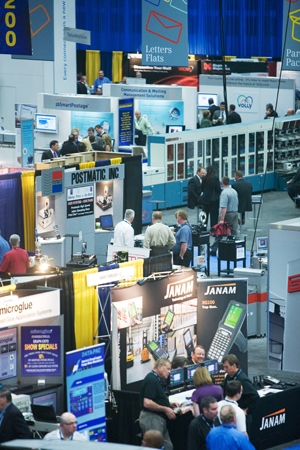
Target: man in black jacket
column 233, row 117
column 201, row 425
column 212, row 107
column 244, row 191
column 293, row 188
column 52, row 152
column 12, row 423
column 69, row 146
column 195, row 188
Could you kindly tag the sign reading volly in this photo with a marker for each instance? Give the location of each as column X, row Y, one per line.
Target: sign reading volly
column 165, row 33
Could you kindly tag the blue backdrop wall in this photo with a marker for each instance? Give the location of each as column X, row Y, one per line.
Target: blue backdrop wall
column 251, row 27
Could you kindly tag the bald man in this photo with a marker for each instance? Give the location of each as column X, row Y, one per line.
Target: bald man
column 67, row 430
column 143, row 124
column 152, row 439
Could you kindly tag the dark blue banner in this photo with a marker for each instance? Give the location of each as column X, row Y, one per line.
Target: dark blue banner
column 15, row 38
column 126, row 122
column 40, row 350
column 165, row 33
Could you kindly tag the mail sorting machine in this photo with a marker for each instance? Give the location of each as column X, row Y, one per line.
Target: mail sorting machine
column 251, row 148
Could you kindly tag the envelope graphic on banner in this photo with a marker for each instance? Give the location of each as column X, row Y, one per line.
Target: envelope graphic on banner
column 154, row 2
column 164, row 27
column 295, row 18
column 180, row 5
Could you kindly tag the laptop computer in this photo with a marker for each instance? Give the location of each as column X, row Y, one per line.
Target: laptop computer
column 43, row 413
column 106, row 222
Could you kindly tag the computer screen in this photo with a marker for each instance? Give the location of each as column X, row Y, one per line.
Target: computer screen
column 106, row 221
column 174, row 128
column 203, row 99
column 46, row 400
column 187, row 337
column 8, row 353
column 262, row 245
column 46, row 123
column 211, row 366
column 176, row 377
column 189, row 372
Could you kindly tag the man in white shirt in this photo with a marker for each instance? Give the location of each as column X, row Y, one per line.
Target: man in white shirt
column 67, row 430
column 219, row 117
column 234, row 391
column 124, row 233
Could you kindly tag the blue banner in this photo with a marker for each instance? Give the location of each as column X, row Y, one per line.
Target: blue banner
column 15, row 38
column 126, row 122
column 291, row 20
column 165, row 33
column 27, row 139
column 86, row 390
column 161, row 113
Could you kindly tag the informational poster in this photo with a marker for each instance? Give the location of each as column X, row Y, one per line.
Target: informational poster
column 15, row 28
column 161, row 113
column 40, row 350
column 8, row 354
column 86, row 390
column 80, row 201
column 22, row 112
column 91, row 119
column 27, row 138
column 45, row 213
column 126, row 122
column 291, row 39
column 165, row 33
column 245, row 102
column 104, row 199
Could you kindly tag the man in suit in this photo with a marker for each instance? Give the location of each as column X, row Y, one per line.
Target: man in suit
column 233, row 117
column 81, row 85
column 99, row 130
column 219, row 117
column 94, row 144
column 69, row 146
column 244, row 191
column 52, row 152
column 12, row 423
column 212, row 107
column 195, row 188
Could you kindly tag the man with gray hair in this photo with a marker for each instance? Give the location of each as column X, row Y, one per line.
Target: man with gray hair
column 124, row 233
column 227, row 437
column 159, row 236
column 154, row 403
column 16, row 260
column 67, row 430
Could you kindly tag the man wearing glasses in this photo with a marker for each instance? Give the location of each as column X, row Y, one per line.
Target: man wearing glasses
column 67, row 430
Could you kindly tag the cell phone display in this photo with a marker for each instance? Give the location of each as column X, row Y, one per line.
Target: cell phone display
column 168, row 321
column 156, row 351
column 188, row 341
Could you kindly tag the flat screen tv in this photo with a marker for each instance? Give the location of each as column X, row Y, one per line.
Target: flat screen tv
column 203, row 99
column 174, row 128
column 46, row 123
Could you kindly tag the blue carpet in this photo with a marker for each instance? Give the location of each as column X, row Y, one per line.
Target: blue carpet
column 214, row 264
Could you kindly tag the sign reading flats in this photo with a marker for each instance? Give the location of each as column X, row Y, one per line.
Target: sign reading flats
column 165, row 33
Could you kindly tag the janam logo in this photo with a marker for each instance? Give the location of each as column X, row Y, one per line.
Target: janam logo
column 180, row 290
column 245, row 102
column 221, row 289
column 273, row 420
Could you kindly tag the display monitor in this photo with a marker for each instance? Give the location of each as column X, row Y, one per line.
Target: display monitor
column 203, row 99
column 189, row 373
column 176, row 378
column 8, row 353
column 46, row 400
column 46, row 123
column 174, row 128
column 262, row 245
column 106, row 221
column 212, row 366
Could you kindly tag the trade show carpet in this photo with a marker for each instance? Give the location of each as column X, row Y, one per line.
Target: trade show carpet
column 213, row 261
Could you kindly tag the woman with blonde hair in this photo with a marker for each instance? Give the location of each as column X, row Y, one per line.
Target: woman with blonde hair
column 204, row 388
column 107, row 142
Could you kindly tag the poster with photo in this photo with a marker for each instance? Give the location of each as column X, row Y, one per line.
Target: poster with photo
column 45, row 214
column 104, row 199
column 161, row 113
column 91, row 119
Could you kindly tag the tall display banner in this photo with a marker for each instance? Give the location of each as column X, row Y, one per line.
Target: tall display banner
column 126, row 122
column 291, row 20
column 165, row 33
column 222, row 321
column 86, row 390
column 27, row 138
column 22, row 112
column 15, row 38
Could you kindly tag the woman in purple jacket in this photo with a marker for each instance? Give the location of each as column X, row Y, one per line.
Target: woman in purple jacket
column 204, row 388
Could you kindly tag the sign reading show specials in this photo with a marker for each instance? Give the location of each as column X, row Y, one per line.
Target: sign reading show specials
column 80, row 201
column 165, row 33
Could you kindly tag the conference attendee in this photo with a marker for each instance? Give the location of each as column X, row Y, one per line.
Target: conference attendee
column 16, row 260
column 250, row 397
column 52, row 152
column 229, row 204
column 227, row 437
column 233, row 117
column 205, row 121
column 98, row 91
column 81, row 85
column 124, row 233
column 212, row 107
column 98, row 139
column 204, row 388
column 180, row 362
column 124, row 80
column 244, row 191
column 95, row 146
column 81, row 147
column 4, row 247
column 195, row 189
column 234, row 391
column 75, row 131
column 100, row 130
column 143, row 124
column 107, row 144
column 12, row 423
column 211, row 189
column 290, row 112
column 219, row 117
column 101, row 80
column 86, row 142
column 183, row 249
column 67, row 430
column 159, row 236
column 153, row 439
column 293, row 188
column 69, row 146
column 270, row 112
column 202, row 425
column 198, row 355
column 154, row 403
column 138, row 75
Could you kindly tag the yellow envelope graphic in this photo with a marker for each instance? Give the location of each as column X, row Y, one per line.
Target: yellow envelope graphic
column 164, row 27
column 295, row 18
